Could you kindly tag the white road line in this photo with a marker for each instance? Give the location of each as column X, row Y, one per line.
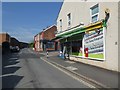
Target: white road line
column 15, row 61
column 6, row 75
column 13, row 58
column 11, row 66
column 72, row 68
column 81, row 81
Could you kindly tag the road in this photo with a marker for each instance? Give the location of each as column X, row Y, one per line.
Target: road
column 26, row 70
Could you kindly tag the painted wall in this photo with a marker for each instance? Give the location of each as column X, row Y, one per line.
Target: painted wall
column 80, row 12
column 37, row 44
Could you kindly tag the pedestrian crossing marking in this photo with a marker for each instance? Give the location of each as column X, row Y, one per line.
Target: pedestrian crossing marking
column 71, row 68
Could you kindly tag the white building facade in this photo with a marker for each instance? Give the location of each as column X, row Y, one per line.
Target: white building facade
column 90, row 29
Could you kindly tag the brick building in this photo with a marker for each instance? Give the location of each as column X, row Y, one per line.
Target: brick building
column 5, row 42
column 4, row 37
column 42, row 41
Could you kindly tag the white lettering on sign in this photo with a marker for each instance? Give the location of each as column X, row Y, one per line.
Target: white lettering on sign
column 94, row 41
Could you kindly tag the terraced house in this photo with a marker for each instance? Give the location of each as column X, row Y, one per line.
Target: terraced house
column 88, row 32
column 42, row 40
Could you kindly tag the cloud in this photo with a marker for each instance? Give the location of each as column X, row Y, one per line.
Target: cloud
column 23, row 34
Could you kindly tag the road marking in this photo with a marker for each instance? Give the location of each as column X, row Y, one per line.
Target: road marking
column 71, row 62
column 72, row 68
column 11, row 66
column 6, row 75
column 81, row 81
column 13, row 58
column 15, row 61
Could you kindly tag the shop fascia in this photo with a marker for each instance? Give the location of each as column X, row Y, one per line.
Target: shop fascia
column 93, row 39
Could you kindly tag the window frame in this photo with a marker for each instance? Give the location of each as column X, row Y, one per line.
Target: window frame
column 91, row 16
column 69, row 19
column 60, row 24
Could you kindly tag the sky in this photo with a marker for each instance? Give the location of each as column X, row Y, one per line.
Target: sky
column 23, row 20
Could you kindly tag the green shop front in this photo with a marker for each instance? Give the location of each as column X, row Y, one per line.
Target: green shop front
column 85, row 42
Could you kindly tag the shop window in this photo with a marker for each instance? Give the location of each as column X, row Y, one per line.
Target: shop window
column 50, row 44
column 94, row 13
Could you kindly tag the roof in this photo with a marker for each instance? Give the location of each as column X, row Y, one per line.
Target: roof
column 49, row 28
column 46, row 29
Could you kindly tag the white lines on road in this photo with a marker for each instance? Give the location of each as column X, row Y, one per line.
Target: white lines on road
column 6, row 75
column 71, row 62
column 76, row 78
column 11, row 66
column 13, row 58
column 15, row 61
column 72, row 68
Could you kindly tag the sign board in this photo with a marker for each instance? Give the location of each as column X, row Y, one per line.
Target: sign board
column 93, row 40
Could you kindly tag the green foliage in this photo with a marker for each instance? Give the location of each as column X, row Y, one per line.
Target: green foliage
column 31, row 45
column 77, row 53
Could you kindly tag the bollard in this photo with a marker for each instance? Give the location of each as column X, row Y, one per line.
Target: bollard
column 47, row 54
column 60, row 53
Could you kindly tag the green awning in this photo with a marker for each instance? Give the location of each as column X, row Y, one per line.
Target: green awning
column 71, row 33
column 81, row 30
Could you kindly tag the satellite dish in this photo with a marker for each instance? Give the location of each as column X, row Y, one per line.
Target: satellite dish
column 107, row 10
column 107, row 14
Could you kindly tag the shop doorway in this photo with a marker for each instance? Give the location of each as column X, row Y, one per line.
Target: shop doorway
column 77, row 48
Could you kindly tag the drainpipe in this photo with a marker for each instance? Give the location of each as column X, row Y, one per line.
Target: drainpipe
column 104, row 38
column 83, row 48
column 104, row 41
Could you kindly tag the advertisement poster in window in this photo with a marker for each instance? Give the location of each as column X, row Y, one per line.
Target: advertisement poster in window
column 93, row 40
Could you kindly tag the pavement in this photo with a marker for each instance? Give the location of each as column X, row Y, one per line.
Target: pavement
column 26, row 70
column 104, row 77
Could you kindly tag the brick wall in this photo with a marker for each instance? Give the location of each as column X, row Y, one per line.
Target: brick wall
column 4, row 37
column 50, row 33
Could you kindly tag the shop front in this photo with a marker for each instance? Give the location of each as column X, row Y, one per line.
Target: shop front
column 85, row 42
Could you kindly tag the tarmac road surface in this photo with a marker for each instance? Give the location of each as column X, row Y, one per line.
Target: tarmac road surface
column 26, row 70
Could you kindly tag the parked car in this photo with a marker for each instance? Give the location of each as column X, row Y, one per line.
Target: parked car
column 14, row 48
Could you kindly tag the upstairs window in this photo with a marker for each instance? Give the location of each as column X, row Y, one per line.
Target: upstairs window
column 69, row 19
column 60, row 24
column 94, row 13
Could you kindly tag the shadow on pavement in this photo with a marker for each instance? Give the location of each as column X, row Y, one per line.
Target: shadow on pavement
column 10, row 70
column 9, row 59
column 10, row 81
column 9, row 67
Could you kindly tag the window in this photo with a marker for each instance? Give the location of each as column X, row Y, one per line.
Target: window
column 69, row 20
column 94, row 13
column 60, row 24
column 50, row 45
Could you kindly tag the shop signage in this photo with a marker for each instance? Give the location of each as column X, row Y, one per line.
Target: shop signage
column 94, row 42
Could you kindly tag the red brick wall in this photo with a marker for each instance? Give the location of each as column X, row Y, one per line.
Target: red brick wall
column 4, row 37
column 50, row 33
